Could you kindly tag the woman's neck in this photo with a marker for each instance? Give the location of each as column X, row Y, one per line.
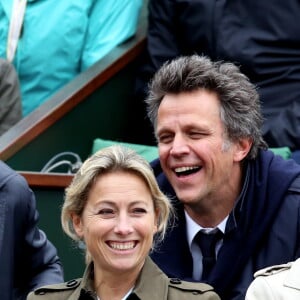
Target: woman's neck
column 110, row 286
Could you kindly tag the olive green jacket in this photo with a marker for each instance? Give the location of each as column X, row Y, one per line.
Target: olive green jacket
column 152, row 284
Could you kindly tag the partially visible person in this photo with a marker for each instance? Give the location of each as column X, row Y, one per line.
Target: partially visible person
column 10, row 96
column 246, row 32
column 115, row 207
column 59, row 39
column 28, row 260
column 281, row 282
column 225, row 183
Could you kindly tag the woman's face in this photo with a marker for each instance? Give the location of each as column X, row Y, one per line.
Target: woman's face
column 118, row 222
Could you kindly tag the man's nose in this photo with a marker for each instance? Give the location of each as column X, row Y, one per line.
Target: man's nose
column 179, row 146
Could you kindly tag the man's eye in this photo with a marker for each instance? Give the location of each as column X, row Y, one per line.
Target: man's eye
column 164, row 139
column 198, row 135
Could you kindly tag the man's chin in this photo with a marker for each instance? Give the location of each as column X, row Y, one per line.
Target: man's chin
column 186, row 198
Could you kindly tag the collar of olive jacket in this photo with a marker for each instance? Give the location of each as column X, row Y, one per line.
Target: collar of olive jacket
column 152, row 284
column 143, row 290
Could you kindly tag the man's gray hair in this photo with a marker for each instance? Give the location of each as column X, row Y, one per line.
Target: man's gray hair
column 240, row 105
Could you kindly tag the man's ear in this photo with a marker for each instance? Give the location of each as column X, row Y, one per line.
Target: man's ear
column 242, row 148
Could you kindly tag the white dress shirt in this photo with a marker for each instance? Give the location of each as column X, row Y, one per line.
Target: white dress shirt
column 192, row 229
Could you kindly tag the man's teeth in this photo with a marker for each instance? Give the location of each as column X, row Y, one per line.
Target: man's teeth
column 184, row 169
column 122, row 246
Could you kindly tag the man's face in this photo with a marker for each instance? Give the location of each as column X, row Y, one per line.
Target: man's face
column 200, row 163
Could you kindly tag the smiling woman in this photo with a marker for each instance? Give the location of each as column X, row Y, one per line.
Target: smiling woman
column 114, row 206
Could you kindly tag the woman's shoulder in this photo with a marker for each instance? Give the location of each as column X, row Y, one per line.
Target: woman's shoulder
column 180, row 289
column 55, row 291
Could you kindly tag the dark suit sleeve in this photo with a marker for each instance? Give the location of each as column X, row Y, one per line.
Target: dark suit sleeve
column 35, row 260
column 42, row 255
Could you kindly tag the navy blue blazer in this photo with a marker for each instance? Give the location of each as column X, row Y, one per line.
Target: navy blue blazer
column 27, row 259
column 262, row 230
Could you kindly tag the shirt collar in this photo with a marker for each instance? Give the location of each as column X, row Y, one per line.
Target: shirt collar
column 228, row 224
column 193, row 228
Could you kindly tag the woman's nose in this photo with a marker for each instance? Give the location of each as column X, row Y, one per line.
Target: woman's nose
column 123, row 225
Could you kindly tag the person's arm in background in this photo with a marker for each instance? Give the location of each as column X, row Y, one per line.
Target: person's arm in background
column 288, row 133
column 162, row 42
column 111, row 23
column 28, row 259
column 161, row 45
column 10, row 96
column 43, row 260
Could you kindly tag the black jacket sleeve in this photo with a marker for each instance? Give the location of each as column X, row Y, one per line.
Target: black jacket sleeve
column 27, row 258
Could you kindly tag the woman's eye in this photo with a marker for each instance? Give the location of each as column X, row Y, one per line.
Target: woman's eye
column 105, row 211
column 139, row 211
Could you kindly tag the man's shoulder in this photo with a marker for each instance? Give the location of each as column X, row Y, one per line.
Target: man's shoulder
column 55, row 291
column 10, row 177
column 4, row 168
column 295, row 185
column 6, row 171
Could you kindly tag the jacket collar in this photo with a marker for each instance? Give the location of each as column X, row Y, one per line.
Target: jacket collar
column 150, row 276
column 86, row 289
column 152, row 282
column 293, row 278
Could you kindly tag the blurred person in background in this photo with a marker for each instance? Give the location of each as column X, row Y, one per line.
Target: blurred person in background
column 10, row 96
column 50, row 42
column 248, row 33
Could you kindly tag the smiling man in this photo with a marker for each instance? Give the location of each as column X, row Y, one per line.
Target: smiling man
column 215, row 164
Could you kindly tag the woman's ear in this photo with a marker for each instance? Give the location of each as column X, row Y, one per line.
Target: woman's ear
column 156, row 221
column 77, row 225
